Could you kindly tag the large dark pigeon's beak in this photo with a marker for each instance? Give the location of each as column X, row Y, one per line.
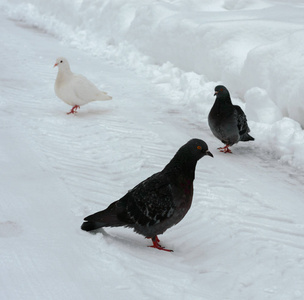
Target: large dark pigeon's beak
column 209, row 153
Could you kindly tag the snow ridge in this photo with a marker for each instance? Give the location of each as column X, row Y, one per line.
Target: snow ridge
column 254, row 48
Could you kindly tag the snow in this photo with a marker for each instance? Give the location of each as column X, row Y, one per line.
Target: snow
column 243, row 238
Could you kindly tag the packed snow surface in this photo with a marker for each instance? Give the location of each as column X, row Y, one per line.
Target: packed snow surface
column 243, row 237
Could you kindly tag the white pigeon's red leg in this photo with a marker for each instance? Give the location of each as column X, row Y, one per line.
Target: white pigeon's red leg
column 74, row 109
column 225, row 149
column 155, row 241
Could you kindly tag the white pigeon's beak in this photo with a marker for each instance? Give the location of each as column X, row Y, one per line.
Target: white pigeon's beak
column 56, row 64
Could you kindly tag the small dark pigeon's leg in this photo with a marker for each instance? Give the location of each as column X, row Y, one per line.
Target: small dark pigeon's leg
column 156, row 244
column 74, row 109
column 225, row 149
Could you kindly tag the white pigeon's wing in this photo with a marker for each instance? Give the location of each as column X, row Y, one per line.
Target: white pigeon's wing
column 85, row 90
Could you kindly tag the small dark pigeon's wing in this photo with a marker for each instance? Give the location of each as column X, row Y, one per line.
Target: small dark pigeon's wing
column 241, row 121
column 150, row 202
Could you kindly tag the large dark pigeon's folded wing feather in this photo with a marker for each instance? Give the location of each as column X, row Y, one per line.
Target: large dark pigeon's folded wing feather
column 150, row 202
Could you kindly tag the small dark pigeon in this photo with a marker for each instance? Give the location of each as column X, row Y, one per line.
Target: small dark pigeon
column 157, row 203
column 227, row 121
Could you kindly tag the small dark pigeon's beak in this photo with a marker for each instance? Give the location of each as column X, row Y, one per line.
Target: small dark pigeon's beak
column 215, row 93
column 209, row 153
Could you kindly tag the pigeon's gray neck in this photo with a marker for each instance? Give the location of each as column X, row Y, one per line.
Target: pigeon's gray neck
column 223, row 98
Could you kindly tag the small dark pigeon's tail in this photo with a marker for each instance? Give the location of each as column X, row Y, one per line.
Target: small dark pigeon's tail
column 246, row 137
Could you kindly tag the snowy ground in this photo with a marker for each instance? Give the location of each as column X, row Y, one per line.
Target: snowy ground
column 243, row 238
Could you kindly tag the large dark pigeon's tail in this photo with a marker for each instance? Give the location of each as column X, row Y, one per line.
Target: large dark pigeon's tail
column 89, row 226
column 105, row 218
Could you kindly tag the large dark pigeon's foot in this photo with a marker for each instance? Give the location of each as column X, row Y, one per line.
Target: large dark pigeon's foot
column 73, row 110
column 156, row 245
column 225, row 149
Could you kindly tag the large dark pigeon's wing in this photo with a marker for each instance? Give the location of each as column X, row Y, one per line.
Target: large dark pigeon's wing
column 150, row 202
column 241, row 121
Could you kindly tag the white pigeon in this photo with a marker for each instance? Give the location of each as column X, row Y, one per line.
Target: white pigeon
column 74, row 89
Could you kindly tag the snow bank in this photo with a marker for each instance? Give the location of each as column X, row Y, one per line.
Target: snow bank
column 255, row 48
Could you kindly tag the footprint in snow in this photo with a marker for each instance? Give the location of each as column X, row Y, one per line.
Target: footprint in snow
column 9, row 229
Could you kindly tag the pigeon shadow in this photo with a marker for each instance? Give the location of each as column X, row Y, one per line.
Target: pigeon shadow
column 95, row 112
column 124, row 240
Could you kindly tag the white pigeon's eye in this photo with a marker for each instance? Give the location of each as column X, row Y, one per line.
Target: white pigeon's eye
column 61, row 61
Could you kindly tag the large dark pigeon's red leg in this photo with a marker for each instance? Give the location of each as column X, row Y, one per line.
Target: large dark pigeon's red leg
column 74, row 109
column 156, row 244
column 225, row 149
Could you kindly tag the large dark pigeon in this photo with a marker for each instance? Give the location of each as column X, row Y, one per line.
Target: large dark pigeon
column 227, row 121
column 158, row 202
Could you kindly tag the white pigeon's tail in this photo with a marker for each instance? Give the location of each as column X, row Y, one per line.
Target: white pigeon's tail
column 102, row 96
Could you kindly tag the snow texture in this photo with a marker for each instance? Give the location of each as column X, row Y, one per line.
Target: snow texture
column 243, row 237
